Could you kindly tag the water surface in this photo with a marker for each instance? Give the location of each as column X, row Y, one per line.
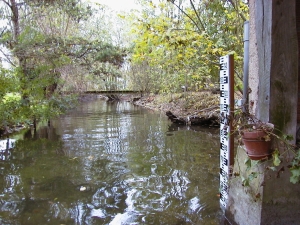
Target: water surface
column 112, row 163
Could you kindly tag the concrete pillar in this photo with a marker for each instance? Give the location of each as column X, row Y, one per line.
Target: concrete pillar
column 270, row 198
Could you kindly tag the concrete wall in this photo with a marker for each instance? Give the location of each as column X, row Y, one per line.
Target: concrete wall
column 243, row 206
column 270, row 199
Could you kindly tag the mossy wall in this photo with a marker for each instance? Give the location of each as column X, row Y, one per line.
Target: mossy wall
column 284, row 67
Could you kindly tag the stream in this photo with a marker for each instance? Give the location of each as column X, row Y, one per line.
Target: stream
column 111, row 163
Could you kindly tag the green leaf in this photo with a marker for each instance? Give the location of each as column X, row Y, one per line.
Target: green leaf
column 254, row 162
column 276, row 160
column 248, row 163
column 295, row 177
column 252, row 176
column 245, row 181
column 288, row 137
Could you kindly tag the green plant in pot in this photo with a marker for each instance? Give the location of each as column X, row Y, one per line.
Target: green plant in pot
column 266, row 147
column 257, row 138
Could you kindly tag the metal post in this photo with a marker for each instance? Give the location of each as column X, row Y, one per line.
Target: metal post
column 246, row 67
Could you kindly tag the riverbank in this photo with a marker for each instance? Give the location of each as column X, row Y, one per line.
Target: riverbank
column 193, row 108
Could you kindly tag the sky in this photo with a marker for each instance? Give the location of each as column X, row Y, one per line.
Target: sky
column 117, row 5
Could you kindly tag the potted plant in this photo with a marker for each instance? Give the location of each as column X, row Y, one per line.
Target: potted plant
column 257, row 139
column 267, row 148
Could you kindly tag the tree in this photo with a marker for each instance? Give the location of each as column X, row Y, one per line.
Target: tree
column 186, row 40
column 48, row 40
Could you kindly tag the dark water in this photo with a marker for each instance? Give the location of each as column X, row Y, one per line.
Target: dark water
column 112, row 164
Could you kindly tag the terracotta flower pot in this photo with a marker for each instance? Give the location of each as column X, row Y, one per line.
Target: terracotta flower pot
column 257, row 147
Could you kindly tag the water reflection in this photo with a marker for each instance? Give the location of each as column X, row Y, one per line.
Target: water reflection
column 112, row 164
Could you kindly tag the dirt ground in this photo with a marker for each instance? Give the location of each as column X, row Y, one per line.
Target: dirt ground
column 196, row 108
